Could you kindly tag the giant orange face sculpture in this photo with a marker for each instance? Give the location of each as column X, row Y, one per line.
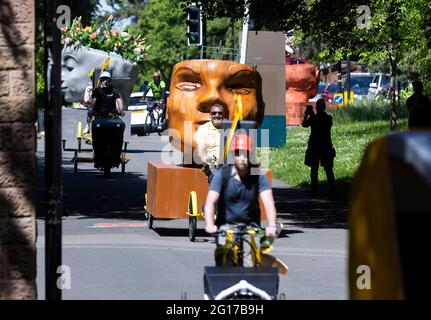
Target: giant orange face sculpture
column 302, row 81
column 198, row 84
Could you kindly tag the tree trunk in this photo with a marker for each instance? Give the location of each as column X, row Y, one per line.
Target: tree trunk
column 393, row 111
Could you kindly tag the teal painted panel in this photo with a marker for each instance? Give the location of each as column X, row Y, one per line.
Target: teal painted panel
column 277, row 131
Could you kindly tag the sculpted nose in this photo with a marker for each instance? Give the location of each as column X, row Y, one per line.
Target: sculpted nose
column 209, row 98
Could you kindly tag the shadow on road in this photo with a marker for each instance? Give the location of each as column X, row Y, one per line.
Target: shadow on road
column 88, row 194
column 180, row 232
column 296, row 207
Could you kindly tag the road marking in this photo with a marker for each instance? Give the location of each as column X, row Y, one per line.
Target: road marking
column 120, row 225
column 68, row 246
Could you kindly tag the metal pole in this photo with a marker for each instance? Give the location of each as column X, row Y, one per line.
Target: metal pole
column 244, row 35
column 53, row 183
column 204, row 36
column 339, row 79
column 348, row 78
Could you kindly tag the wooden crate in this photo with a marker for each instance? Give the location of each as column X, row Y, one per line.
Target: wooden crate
column 169, row 186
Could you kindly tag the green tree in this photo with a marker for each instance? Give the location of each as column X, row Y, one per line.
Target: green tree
column 163, row 23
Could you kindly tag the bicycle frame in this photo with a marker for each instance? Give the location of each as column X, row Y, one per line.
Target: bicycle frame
column 234, row 244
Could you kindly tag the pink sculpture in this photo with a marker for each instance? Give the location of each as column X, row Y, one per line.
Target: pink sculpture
column 302, row 82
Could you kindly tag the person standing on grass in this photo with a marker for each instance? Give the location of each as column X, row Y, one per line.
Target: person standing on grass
column 320, row 148
column 419, row 107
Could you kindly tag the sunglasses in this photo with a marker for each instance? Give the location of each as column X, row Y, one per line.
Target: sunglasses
column 241, row 152
column 216, row 113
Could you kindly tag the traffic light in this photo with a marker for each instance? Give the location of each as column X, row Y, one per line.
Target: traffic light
column 194, row 25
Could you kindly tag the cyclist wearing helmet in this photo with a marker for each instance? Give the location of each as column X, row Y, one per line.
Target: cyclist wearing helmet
column 157, row 87
column 236, row 191
column 105, row 104
column 105, row 98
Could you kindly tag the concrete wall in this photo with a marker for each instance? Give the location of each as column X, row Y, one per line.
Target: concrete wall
column 265, row 50
column 17, row 151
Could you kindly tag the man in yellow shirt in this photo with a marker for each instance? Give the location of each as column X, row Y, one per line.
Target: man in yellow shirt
column 208, row 139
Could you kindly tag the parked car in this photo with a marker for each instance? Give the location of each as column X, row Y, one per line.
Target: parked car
column 378, row 86
column 328, row 92
column 359, row 84
column 322, row 86
column 138, row 106
column 325, row 91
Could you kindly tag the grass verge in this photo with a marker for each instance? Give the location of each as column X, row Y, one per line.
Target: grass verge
column 353, row 129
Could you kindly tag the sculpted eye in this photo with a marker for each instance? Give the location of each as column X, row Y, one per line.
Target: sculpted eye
column 188, row 86
column 242, row 91
column 69, row 68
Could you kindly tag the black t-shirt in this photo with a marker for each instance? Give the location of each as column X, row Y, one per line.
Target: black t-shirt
column 419, row 107
column 320, row 137
column 105, row 100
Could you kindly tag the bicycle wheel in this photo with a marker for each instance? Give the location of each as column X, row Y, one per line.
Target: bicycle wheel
column 249, row 258
column 150, row 221
column 192, row 228
column 192, row 210
column 231, row 257
column 147, row 125
column 160, row 124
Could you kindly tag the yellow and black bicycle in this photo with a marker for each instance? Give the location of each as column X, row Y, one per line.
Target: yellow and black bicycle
column 244, row 269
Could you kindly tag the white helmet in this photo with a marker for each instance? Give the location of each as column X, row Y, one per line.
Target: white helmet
column 105, row 74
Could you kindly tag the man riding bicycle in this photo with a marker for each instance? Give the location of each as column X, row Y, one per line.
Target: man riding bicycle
column 236, row 191
column 158, row 88
column 106, row 103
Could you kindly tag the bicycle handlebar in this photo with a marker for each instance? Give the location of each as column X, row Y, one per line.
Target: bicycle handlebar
column 239, row 229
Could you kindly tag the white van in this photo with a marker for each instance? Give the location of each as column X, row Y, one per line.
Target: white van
column 138, row 106
column 379, row 84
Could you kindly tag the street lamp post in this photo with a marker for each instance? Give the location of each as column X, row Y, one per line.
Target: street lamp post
column 53, row 180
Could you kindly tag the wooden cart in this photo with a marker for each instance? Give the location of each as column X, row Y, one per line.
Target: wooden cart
column 175, row 192
column 81, row 155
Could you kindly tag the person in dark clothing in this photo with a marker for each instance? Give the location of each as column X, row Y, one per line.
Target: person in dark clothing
column 235, row 191
column 106, row 99
column 419, row 107
column 238, row 196
column 320, row 148
column 107, row 128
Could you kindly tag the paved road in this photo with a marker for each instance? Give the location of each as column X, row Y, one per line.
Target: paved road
column 110, row 260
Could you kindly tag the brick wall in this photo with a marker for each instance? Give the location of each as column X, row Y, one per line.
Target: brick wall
column 17, row 151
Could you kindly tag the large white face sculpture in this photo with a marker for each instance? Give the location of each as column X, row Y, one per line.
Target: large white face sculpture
column 77, row 62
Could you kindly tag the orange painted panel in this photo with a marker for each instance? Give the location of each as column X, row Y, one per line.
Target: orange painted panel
column 169, row 186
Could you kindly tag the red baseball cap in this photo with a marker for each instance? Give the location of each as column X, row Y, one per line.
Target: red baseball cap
column 241, row 142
